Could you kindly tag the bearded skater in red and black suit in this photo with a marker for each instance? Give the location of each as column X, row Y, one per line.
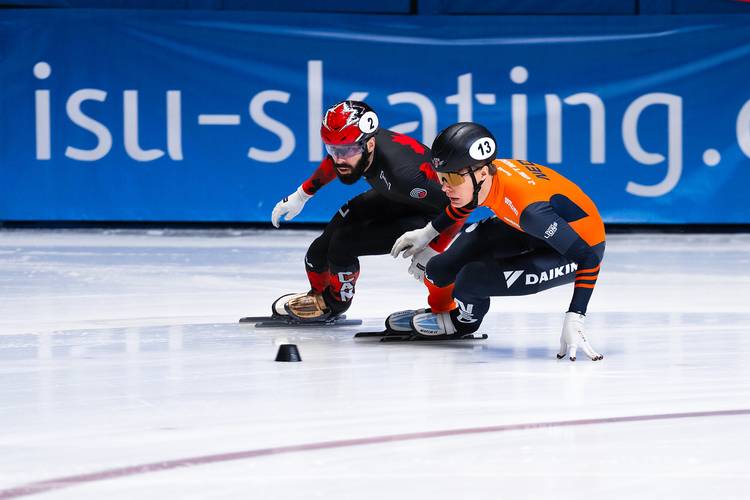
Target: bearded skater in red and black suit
column 405, row 194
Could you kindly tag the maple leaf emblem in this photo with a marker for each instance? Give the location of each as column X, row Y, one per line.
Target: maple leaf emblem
column 340, row 116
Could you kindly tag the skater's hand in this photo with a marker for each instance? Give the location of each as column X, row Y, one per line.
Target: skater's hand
column 413, row 242
column 419, row 262
column 291, row 206
column 572, row 338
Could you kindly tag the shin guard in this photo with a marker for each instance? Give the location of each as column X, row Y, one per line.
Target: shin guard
column 340, row 292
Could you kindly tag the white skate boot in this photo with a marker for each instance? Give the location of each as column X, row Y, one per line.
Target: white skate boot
column 277, row 308
column 433, row 324
column 400, row 321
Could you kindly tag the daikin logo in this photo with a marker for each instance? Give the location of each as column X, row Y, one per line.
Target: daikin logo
column 534, row 279
column 555, row 272
column 511, row 277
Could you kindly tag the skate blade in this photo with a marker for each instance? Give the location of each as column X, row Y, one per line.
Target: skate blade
column 291, row 323
column 370, row 335
column 391, row 336
column 255, row 319
column 433, row 338
column 258, row 319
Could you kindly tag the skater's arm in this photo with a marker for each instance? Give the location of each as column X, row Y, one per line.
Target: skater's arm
column 437, row 234
column 324, row 174
column 414, row 242
column 292, row 205
column 540, row 220
column 451, row 216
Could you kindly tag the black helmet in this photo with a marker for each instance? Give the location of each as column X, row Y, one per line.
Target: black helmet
column 463, row 145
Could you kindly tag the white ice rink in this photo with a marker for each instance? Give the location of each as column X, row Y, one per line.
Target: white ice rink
column 125, row 375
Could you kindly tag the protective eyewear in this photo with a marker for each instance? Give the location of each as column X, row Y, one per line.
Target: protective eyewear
column 344, row 151
column 453, row 179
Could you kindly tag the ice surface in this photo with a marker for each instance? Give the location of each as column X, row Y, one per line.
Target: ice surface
column 121, row 348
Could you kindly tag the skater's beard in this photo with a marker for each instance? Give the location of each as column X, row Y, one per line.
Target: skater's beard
column 356, row 171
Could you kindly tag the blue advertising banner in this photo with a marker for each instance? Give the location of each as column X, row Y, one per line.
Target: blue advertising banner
column 214, row 116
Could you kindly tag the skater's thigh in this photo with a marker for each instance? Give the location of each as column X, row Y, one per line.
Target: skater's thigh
column 356, row 211
column 476, row 241
column 529, row 273
column 495, row 237
column 363, row 207
column 471, row 245
column 376, row 236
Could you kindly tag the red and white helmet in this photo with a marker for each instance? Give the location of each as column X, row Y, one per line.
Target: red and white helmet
column 348, row 122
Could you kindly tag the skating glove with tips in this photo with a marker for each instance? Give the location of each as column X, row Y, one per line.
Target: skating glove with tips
column 290, row 206
column 413, row 242
column 419, row 262
column 572, row 338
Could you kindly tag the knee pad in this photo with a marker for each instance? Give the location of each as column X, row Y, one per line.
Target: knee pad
column 438, row 273
column 470, row 278
column 316, row 258
column 584, row 255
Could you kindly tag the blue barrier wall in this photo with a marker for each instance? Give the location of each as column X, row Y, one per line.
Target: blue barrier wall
column 416, row 7
column 214, row 116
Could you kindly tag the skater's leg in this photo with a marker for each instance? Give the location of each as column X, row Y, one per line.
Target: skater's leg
column 489, row 237
column 439, row 298
column 371, row 236
column 366, row 225
column 477, row 281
